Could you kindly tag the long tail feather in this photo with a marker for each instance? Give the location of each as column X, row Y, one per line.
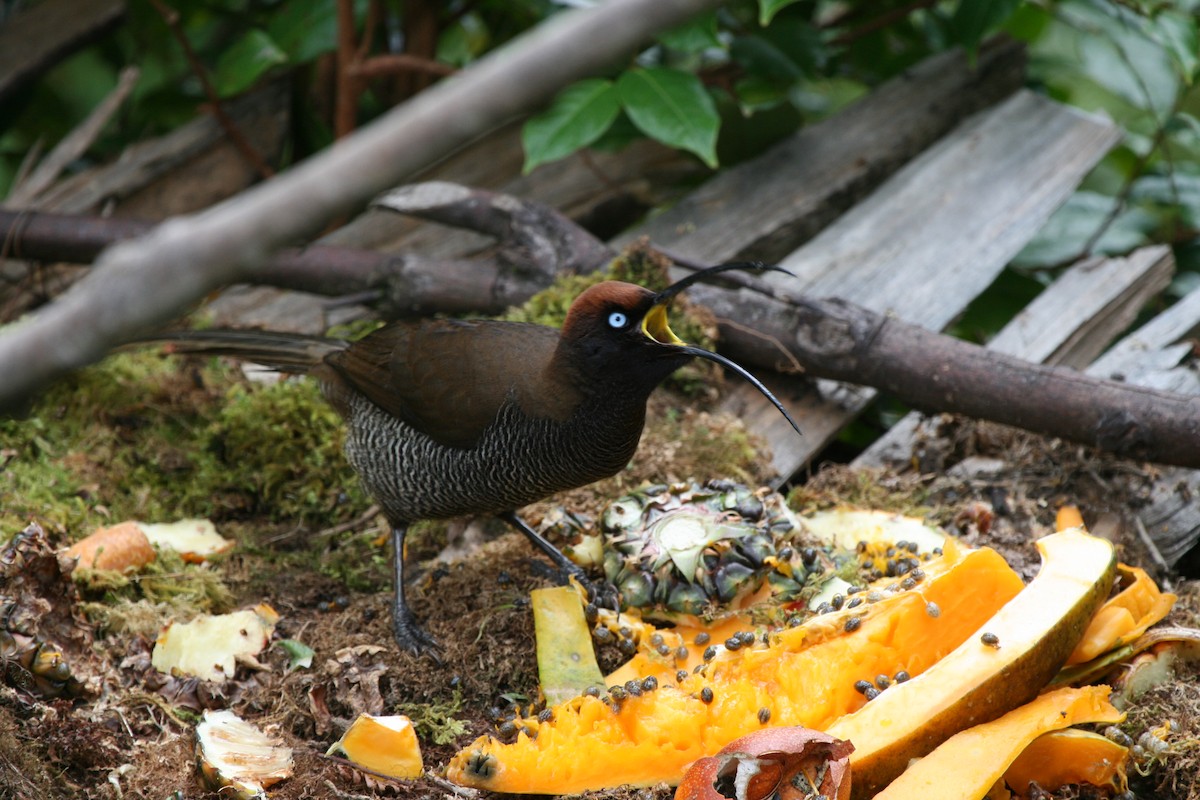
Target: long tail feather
column 287, row 352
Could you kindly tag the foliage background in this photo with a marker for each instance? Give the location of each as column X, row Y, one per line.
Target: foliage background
column 722, row 88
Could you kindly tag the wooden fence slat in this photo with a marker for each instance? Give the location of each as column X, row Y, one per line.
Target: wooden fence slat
column 930, row 240
column 764, row 208
column 1158, row 354
column 1069, row 323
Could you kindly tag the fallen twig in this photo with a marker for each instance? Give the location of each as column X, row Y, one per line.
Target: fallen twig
column 143, row 283
column 74, row 144
column 171, row 18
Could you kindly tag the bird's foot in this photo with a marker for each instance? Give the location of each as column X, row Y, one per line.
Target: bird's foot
column 600, row 593
column 412, row 637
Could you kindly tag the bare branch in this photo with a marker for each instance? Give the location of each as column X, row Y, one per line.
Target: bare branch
column 74, row 144
column 253, row 157
column 934, row 372
column 146, row 282
column 535, row 243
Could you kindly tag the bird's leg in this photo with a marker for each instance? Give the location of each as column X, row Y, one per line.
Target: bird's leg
column 408, row 632
column 561, row 561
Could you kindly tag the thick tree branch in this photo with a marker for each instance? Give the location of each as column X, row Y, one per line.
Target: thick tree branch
column 535, row 242
column 934, row 372
column 145, row 282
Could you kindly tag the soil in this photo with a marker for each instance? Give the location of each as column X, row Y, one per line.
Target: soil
column 127, row 731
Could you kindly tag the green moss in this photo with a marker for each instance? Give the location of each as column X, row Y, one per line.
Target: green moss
column 436, row 721
column 144, row 437
column 360, row 562
column 840, row 485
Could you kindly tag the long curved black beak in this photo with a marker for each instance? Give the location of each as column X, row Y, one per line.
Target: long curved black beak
column 702, row 274
column 655, row 326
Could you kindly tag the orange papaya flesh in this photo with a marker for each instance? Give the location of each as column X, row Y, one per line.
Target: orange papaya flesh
column 695, row 634
column 1003, row 665
column 969, row 763
column 1071, row 756
column 1068, row 517
column 1125, row 616
column 802, row 676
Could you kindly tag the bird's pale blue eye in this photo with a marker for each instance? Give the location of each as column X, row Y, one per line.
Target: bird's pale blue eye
column 617, row 320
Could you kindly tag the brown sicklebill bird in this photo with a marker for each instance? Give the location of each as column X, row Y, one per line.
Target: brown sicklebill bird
column 450, row 418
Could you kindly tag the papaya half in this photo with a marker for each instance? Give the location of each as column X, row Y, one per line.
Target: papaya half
column 647, row 730
column 1003, row 665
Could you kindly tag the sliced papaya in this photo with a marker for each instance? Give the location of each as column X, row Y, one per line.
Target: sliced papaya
column 1071, row 756
column 1125, row 616
column 1004, row 664
column 387, row 745
column 647, row 731
column 969, row 763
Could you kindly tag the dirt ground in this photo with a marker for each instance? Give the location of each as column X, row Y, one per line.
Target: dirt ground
column 128, row 731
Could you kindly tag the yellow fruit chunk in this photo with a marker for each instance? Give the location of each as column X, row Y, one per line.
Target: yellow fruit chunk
column 1124, row 617
column 387, row 745
column 1003, row 665
column 1068, row 517
column 1059, row 758
column 969, row 763
column 802, row 676
column 846, row 527
column 566, row 661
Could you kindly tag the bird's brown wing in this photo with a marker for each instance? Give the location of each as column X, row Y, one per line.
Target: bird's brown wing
column 447, row 378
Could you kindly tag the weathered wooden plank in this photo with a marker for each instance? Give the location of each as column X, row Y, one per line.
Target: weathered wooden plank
column 1159, row 354
column 38, row 37
column 933, row 237
column 765, row 208
column 1091, row 304
column 1069, row 324
column 188, row 169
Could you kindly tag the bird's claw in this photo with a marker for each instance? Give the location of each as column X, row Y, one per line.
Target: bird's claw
column 412, row 637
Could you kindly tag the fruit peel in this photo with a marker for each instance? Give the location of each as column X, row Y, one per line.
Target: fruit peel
column 793, row 763
column 209, row 646
column 971, row 762
column 236, row 758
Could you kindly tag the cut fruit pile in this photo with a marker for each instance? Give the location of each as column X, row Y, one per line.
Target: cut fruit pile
column 958, row 648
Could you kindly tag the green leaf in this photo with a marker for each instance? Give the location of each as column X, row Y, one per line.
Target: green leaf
column 673, row 107
column 464, row 41
column 763, row 60
column 1178, row 35
column 300, row 655
column 1065, row 234
column 975, row 19
column 1179, row 194
column 1117, row 49
column 579, row 116
column 246, row 61
column 695, row 36
column 767, row 9
column 304, row 29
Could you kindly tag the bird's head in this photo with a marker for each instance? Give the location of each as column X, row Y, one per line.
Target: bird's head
column 618, row 333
